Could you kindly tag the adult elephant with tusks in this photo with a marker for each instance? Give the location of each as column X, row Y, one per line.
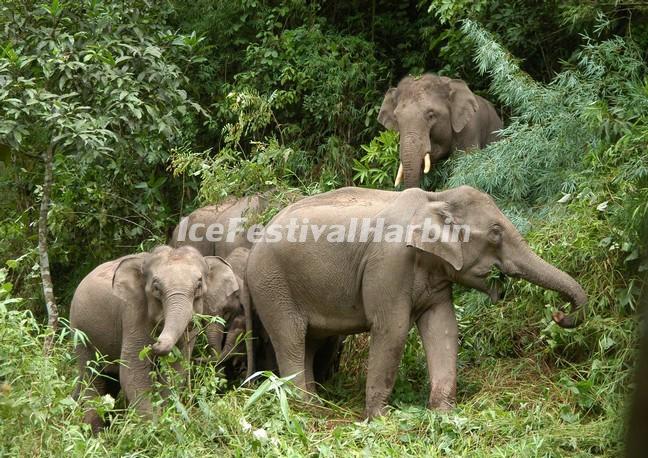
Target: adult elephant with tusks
column 435, row 116
column 384, row 282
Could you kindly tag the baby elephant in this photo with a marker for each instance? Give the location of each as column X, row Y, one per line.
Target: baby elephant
column 227, row 340
column 121, row 305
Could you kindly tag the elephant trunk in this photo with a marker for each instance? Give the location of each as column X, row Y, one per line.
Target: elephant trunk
column 177, row 316
column 215, row 332
column 541, row 273
column 246, row 302
column 411, row 160
column 415, row 150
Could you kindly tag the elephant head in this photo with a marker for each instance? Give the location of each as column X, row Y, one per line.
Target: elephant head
column 428, row 112
column 485, row 238
column 172, row 285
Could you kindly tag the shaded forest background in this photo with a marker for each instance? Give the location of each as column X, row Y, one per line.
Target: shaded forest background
column 152, row 109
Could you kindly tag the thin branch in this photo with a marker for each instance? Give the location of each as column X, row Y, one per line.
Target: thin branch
column 46, row 278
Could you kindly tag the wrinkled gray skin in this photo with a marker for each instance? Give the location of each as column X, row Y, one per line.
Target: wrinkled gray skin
column 222, row 213
column 122, row 304
column 326, row 361
column 436, row 115
column 328, row 357
column 305, row 292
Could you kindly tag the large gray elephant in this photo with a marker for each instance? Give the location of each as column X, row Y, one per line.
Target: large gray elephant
column 121, row 305
column 306, row 289
column 435, row 115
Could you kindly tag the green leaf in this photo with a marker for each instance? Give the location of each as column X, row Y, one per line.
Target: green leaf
column 260, row 391
column 144, row 353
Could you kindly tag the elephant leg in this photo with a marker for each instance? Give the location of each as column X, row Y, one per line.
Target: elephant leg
column 385, row 351
column 327, row 358
column 89, row 386
column 289, row 342
column 134, row 377
column 84, row 355
column 312, row 349
column 438, row 330
column 387, row 307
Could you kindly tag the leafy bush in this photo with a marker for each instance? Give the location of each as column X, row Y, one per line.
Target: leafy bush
column 97, row 84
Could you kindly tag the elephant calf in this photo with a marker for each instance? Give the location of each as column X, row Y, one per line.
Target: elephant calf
column 333, row 280
column 120, row 304
column 228, row 345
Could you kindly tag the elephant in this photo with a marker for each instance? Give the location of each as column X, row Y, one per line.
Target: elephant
column 224, row 213
column 227, row 345
column 328, row 357
column 120, row 305
column 310, row 288
column 435, row 115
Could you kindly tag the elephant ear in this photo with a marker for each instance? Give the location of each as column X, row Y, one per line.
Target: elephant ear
column 463, row 105
column 432, row 233
column 221, row 284
column 128, row 279
column 386, row 115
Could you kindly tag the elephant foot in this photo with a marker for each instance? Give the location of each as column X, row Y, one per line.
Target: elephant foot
column 372, row 412
column 442, row 395
column 441, row 404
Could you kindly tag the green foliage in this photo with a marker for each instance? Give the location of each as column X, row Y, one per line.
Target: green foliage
column 545, row 34
column 378, row 167
column 293, row 90
column 228, row 174
column 99, row 83
column 295, row 86
column 554, row 124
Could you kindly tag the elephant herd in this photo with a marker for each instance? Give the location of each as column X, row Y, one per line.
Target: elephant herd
column 343, row 262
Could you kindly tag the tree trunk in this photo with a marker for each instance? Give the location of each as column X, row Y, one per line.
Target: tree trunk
column 48, row 287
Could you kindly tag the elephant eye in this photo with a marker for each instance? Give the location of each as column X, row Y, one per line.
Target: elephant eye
column 495, row 234
column 157, row 289
column 431, row 114
column 199, row 285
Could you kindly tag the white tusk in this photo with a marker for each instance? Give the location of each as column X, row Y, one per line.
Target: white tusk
column 399, row 175
column 426, row 163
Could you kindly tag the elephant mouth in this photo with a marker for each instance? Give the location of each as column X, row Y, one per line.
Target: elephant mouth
column 427, row 164
column 496, row 295
column 496, row 281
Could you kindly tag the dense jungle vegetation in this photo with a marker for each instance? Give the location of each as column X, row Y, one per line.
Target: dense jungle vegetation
column 149, row 109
